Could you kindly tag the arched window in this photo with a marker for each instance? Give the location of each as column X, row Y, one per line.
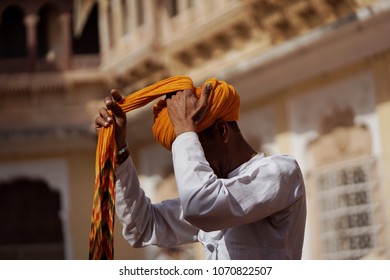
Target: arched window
column 12, row 33
column 30, row 224
column 88, row 41
column 49, row 32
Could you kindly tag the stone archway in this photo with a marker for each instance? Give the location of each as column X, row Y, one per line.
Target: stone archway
column 49, row 43
column 12, row 33
column 30, row 222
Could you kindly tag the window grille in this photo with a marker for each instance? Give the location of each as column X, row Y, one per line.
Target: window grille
column 347, row 207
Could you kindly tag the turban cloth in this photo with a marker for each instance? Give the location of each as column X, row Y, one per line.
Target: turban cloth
column 223, row 103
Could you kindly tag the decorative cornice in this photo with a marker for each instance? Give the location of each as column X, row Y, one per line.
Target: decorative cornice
column 262, row 22
column 49, row 140
column 52, row 133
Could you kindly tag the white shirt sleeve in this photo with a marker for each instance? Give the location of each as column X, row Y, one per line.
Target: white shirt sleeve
column 145, row 223
column 252, row 192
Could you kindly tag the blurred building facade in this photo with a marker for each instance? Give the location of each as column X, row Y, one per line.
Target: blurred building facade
column 314, row 80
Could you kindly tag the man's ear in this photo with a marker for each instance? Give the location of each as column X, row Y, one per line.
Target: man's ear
column 222, row 130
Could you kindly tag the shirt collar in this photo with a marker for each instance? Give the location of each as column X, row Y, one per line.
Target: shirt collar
column 243, row 166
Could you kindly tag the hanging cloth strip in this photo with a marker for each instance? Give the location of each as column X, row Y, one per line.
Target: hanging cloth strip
column 223, row 103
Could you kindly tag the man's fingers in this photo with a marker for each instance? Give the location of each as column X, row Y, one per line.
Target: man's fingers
column 203, row 103
column 105, row 118
column 116, row 95
column 100, row 122
column 112, row 114
column 113, row 105
column 204, row 95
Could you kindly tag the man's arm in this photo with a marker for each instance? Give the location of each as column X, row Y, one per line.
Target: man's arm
column 143, row 223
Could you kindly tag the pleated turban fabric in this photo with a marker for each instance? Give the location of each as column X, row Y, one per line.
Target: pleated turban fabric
column 223, row 103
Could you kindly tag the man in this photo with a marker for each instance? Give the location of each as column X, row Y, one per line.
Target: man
column 238, row 203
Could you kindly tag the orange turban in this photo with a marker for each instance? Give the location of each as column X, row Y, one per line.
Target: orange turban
column 223, row 103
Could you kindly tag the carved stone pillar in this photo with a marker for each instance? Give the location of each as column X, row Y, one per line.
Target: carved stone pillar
column 31, row 21
column 133, row 15
column 117, row 19
column 150, row 19
column 65, row 22
column 104, row 33
column 181, row 6
column 165, row 18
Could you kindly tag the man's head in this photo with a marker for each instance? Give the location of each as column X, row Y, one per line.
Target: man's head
column 223, row 102
column 211, row 112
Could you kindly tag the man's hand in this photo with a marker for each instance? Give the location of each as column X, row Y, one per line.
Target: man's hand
column 186, row 111
column 118, row 118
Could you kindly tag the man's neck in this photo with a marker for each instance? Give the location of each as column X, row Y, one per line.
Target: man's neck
column 241, row 152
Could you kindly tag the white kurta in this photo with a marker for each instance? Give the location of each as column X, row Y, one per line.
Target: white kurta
column 258, row 212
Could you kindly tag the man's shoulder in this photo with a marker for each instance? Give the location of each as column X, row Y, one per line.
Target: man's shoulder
column 281, row 162
column 282, row 158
